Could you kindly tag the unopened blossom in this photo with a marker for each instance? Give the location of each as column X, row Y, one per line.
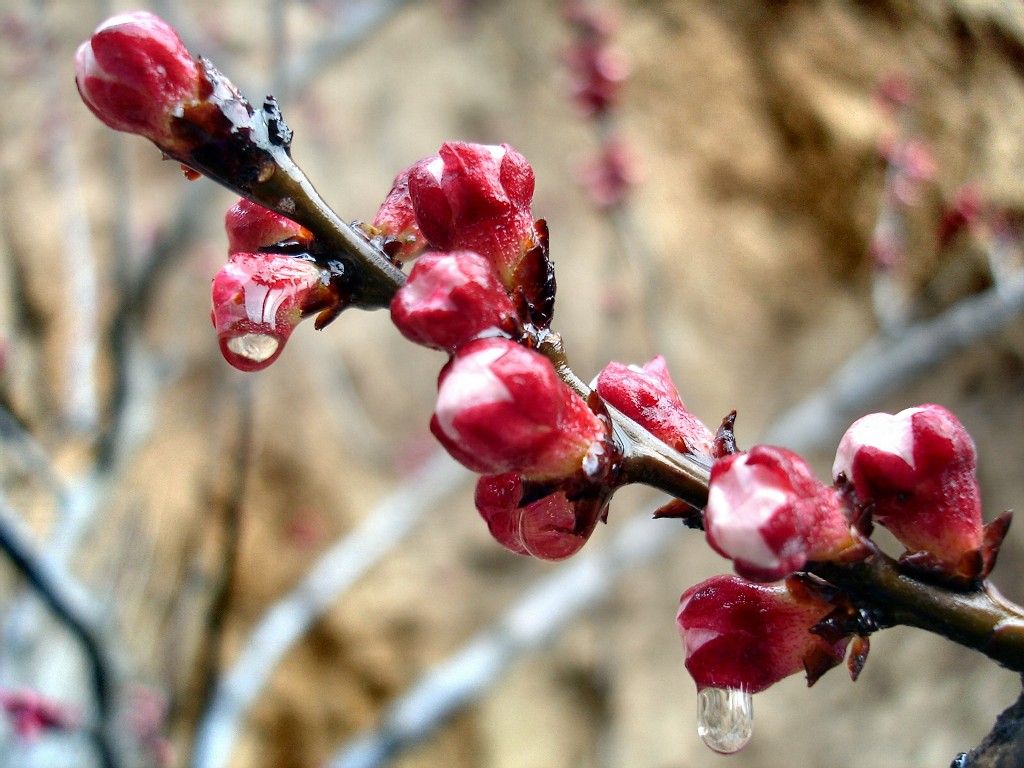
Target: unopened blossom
column 596, row 68
column 502, row 408
column 396, row 222
column 251, row 227
column 770, row 515
column 136, row 75
column 610, row 174
column 452, row 298
column 648, row 396
column 31, row 714
column 742, row 635
column 915, row 471
column 551, row 528
column 259, row 298
column 476, row 197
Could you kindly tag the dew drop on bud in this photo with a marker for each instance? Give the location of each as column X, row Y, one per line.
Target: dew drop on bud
column 725, row 718
column 254, row 347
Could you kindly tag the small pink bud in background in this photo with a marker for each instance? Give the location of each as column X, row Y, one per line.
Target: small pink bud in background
column 915, row 471
column 502, row 408
column 251, row 227
column 135, row 74
column 648, row 396
column 451, row 298
column 768, row 514
column 965, row 211
column 596, row 69
column 741, row 635
column 610, row 175
column 396, row 218
column 476, row 197
column 259, row 298
column 31, row 714
column 551, row 528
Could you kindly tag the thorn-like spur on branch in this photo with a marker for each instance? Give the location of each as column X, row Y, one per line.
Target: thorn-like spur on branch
column 136, row 75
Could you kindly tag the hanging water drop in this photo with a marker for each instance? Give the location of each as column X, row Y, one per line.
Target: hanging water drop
column 255, row 348
column 725, row 718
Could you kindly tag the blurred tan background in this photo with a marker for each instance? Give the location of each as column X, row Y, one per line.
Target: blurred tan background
column 756, row 129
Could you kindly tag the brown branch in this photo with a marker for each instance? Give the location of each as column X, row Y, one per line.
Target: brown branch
column 981, row 619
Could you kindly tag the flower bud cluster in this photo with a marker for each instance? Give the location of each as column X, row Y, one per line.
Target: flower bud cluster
column 469, row 197
column 263, row 292
column 502, row 409
column 912, row 472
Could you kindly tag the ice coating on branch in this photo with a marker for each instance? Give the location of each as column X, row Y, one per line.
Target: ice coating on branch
column 502, row 408
column 250, row 227
column 135, row 74
column 258, row 299
column 450, row 299
column 915, row 472
column 741, row 635
column 476, row 197
column 768, row 514
column 648, row 396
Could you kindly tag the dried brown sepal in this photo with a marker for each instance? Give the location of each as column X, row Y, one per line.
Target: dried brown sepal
column 676, row 509
column 858, row 655
column 861, row 518
column 992, row 541
column 966, row 576
column 818, row 661
column 534, row 280
column 845, row 620
column 725, row 437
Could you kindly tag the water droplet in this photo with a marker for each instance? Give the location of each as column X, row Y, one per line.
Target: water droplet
column 254, row 347
column 725, row 718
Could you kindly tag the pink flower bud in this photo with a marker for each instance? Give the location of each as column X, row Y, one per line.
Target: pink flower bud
column 451, row 298
column 551, row 528
column 259, row 298
column 31, row 714
column 502, row 408
column 648, row 396
column 251, row 227
column 477, row 198
column 748, row 636
column 396, row 220
column 768, row 514
column 136, row 75
column 916, row 472
column 609, row 176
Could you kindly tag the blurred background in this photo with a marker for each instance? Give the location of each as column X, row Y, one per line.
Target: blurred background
column 802, row 177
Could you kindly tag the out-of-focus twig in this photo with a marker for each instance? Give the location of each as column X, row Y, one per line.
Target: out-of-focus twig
column 289, row 619
column 33, row 457
column 79, row 263
column 884, row 364
column 77, row 610
column 533, row 620
column 353, row 25
column 232, row 507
